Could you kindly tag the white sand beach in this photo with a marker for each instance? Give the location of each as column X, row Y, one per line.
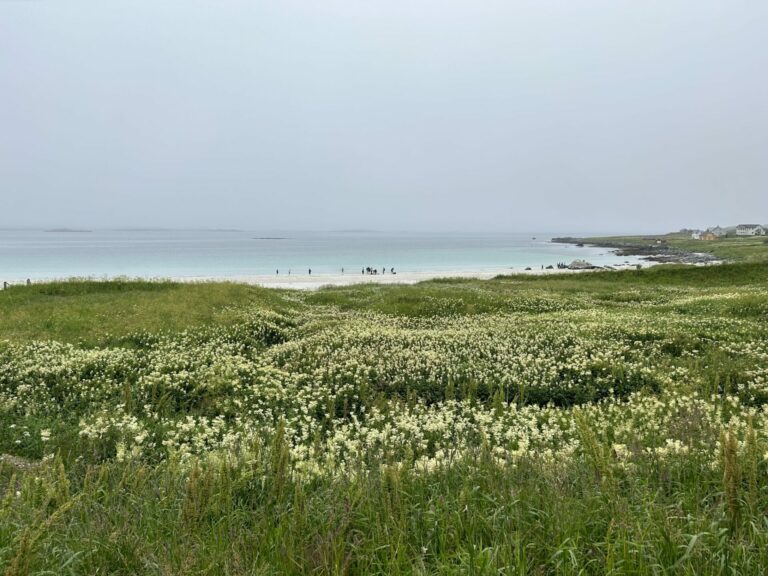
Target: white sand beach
column 315, row 281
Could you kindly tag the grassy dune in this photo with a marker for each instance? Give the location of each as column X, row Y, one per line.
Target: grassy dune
column 604, row 423
column 99, row 312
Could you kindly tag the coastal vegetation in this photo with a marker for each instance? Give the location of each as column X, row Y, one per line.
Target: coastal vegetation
column 680, row 247
column 599, row 423
column 90, row 313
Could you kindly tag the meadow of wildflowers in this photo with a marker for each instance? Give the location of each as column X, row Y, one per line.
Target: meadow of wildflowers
column 605, row 424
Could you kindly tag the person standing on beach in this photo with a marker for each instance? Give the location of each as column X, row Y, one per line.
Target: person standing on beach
column 310, row 271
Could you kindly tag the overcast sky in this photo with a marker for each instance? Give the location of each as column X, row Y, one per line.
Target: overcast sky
column 406, row 115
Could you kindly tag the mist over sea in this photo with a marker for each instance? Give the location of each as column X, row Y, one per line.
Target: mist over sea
column 38, row 254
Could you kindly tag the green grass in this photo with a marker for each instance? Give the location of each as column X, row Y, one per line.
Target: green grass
column 134, row 519
column 97, row 313
column 460, row 296
column 165, row 428
column 92, row 312
column 754, row 249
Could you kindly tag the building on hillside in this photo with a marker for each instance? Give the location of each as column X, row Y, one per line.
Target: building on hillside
column 695, row 234
column 718, row 231
column 708, row 235
column 750, row 230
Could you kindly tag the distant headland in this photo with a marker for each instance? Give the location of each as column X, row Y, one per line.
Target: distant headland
column 743, row 242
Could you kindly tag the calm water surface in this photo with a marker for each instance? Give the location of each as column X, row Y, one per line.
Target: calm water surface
column 38, row 254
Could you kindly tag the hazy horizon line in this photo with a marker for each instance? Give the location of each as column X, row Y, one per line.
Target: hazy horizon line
column 88, row 229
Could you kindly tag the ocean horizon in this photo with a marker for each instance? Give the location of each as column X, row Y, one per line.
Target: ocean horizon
column 60, row 253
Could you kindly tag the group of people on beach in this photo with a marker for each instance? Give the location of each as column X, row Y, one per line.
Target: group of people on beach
column 309, row 271
column 374, row 271
column 367, row 270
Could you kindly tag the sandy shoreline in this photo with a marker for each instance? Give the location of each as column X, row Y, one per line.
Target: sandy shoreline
column 316, row 281
column 321, row 280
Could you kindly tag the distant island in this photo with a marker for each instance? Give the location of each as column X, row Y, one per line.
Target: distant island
column 74, row 230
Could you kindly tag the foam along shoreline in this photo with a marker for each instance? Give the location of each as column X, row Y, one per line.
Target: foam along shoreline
column 318, row 280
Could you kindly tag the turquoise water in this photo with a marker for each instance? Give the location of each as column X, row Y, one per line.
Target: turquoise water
column 38, row 254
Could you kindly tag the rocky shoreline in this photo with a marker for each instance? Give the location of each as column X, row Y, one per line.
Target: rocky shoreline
column 653, row 251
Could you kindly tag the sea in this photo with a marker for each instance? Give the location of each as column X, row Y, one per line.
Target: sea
column 237, row 254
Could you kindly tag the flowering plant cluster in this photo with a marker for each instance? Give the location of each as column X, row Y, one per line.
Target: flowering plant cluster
column 656, row 375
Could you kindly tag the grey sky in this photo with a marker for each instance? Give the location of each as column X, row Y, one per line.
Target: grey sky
column 511, row 115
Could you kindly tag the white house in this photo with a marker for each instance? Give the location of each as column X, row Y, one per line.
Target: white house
column 750, row 230
column 695, row 234
column 718, row 231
